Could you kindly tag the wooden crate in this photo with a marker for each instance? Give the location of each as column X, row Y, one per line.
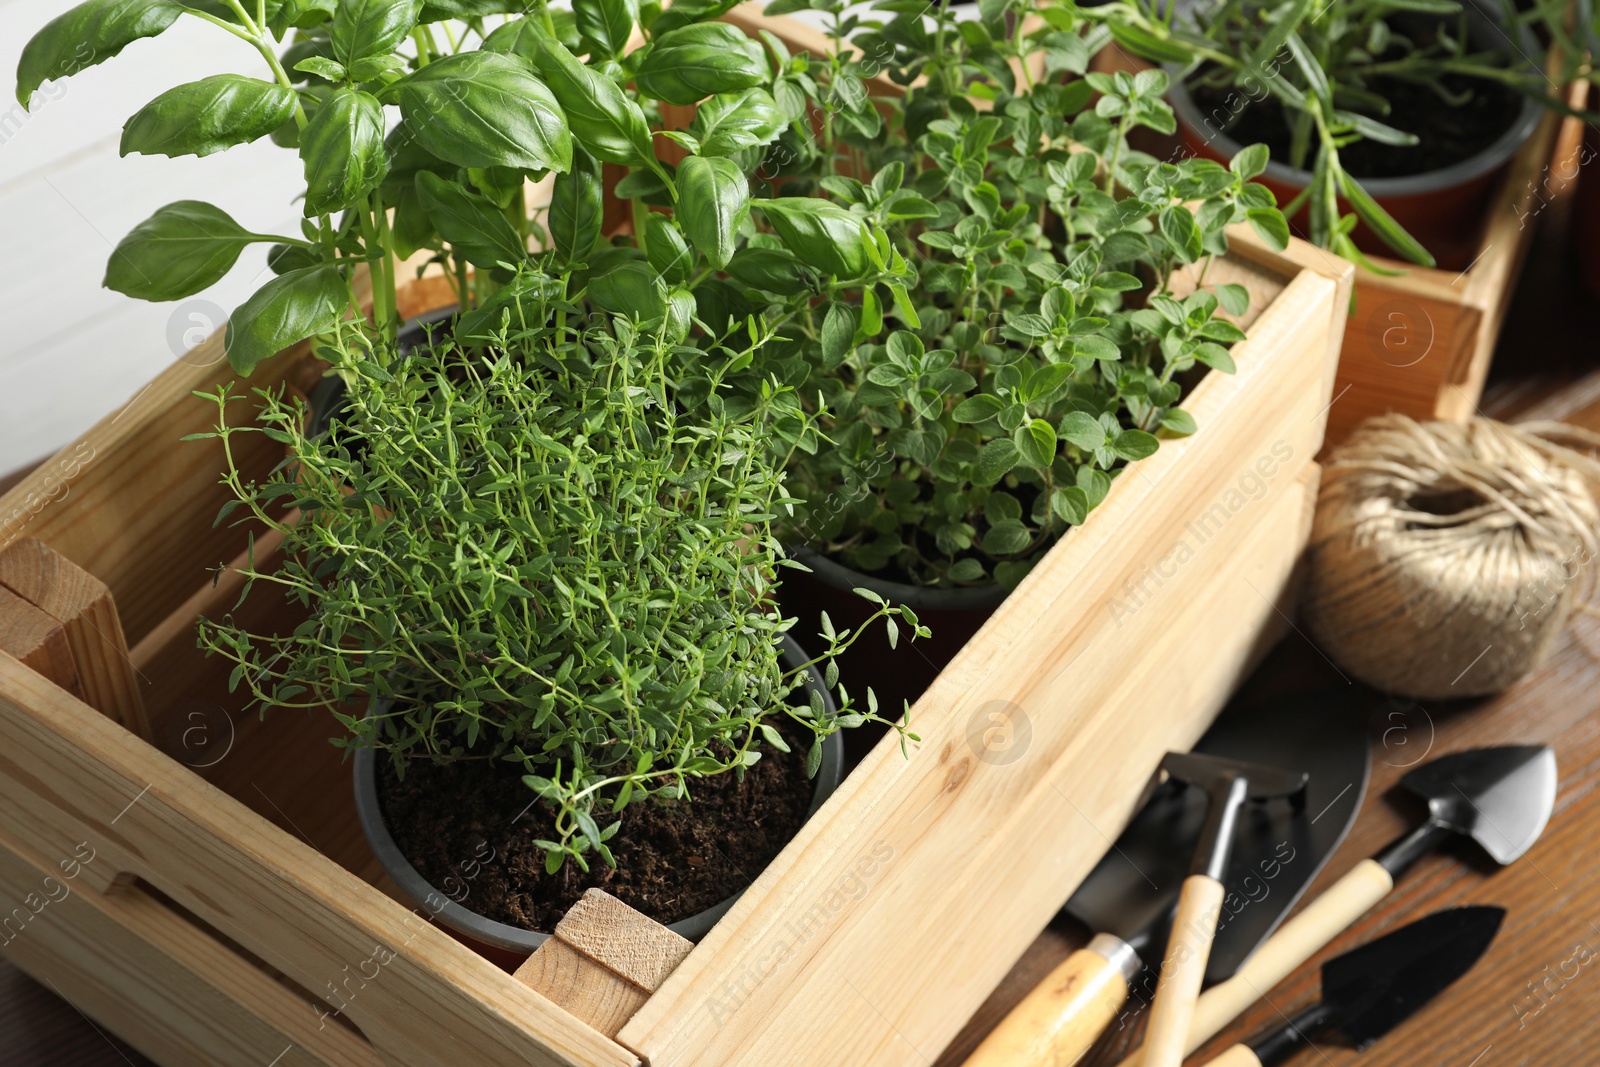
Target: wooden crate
column 231, row 903
column 1421, row 343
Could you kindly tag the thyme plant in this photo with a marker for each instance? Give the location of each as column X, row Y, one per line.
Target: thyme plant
column 542, row 556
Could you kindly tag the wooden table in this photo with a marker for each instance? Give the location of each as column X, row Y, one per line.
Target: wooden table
column 1530, row 1001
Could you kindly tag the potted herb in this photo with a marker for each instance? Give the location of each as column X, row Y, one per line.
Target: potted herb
column 564, row 520
column 980, row 406
column 1389, row 122
column 540, row 598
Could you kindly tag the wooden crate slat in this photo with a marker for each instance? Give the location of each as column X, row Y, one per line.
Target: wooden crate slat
column 67, row 774
column 107, row 678
column 169, row 988
column 937, row 838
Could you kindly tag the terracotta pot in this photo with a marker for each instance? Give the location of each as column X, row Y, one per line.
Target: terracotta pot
column 1443, row 209
column 474, row 929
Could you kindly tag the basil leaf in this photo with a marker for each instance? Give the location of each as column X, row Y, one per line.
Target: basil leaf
column 475, row 228
column 731, row 122
column 88, row 34
column 838, row 332
column 484, row 109
column 631, row 289
column 577, row 208
column 286, row 310
column 822, row 234
column 363, row 28
column 776, row 271
column 342, row 147
column 611, row 126
column 700, row 60
column 667, row 251
column 608, row 23
column 206, row 116
column 180, row 250
column 713, row 198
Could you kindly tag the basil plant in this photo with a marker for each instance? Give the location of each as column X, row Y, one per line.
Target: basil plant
column 1053, row 306
column 420, row 124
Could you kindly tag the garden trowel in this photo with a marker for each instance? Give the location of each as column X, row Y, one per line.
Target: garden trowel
column 1128, row 899
column 1501, row 798
column 1372, row 989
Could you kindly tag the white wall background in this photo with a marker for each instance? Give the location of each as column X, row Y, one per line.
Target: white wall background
column 71, row 351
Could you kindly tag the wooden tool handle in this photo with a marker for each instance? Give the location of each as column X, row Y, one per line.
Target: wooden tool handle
column 1059, row 1020
column 1237, row 1056
column 1182, row 970
column 1295, row 942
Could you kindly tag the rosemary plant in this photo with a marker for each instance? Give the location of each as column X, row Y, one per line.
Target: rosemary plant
column 1329, row 67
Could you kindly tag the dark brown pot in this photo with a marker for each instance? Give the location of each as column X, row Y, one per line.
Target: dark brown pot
column 1443, row 209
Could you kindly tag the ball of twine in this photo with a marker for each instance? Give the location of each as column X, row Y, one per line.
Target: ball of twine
column 1446, row 557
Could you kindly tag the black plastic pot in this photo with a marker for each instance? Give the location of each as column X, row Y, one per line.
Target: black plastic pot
column 1444, row 209
column 898, row 675
column 327, row 397
column 485, row 930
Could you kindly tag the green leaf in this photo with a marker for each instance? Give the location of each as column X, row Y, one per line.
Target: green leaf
column 823, row 234
column 1182, row 232
column 731, row 122
column 713, row 198
column 206, row 116
column 1135, row 444
column 323, row 67
column 285, row 311
column 90, row 33
column 577, row 208
column 691, row 63
column 668, row 253
column 1142, row 42
column 1250, row 161
column 1380, row 222
column 996, row 460
column 484, row 109
column 363, row 28
column 838, row 332
column 1234, row 298
column 1178, row 421
column 773, row 269
column 601, row 116
column 632, row 289
column 1271, row 226
column 342, row 147
column 1036, row 441
column 608, row 23
column 1007, row 538
column 1083, row 430
column 978, row 408
column 475, row 228
column 1071, row 505
column 180, row 250
column 1214, row 355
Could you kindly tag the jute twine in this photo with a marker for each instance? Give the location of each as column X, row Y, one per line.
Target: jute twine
column 1446, row 557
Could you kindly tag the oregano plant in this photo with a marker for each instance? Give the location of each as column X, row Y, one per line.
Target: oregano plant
column 1043, row 296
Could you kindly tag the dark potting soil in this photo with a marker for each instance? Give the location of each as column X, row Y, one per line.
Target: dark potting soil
column 674, row 859
column 1447, row 135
